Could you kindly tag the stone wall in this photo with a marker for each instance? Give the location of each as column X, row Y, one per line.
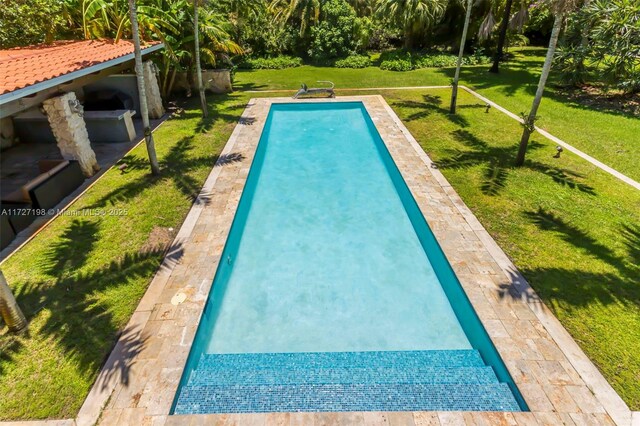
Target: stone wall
column 65, row 117
column 152, row 90
column 215, row 81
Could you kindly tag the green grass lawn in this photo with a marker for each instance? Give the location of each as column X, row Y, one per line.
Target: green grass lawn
column 81, row 278
column 609, row 136
column 573, row 230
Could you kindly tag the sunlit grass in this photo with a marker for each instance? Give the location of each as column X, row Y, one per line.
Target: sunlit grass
column 609, row 136
column 571, row 229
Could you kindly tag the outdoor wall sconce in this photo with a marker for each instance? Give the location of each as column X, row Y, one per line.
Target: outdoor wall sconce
column 76, row 107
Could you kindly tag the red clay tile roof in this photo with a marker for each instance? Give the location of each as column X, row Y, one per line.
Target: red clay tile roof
column 24, row 66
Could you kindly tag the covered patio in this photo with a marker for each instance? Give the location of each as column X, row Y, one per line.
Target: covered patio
column 68, row 110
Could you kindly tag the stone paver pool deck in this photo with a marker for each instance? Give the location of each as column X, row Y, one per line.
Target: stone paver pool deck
column 139, row 381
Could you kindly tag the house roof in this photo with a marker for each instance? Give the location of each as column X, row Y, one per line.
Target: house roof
column 28, row 69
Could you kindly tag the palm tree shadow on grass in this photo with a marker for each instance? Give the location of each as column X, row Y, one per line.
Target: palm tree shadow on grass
column 10, row 344
column 232, row 113
column 431, row 104
column 179, row 161
column 498, row 163
column 523, row 76
column 175, row 166
column 79, row 318
column 575, row 287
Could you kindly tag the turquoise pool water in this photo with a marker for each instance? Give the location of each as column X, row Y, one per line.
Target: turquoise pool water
column 329, row 255
column 328, row 259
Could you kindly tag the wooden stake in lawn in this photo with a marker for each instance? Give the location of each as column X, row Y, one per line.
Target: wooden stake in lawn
column 9, row 309
column 529, row 120
column 456, row 78
column 196, row 38
column 144, row 109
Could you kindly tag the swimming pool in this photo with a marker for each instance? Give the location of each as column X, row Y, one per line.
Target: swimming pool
column 332, row 293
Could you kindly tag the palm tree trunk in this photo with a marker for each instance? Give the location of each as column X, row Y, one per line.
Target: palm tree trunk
column 502, row 37
column 456, row 77
column 529, row 121
column 172, row 80
column 9, row 309
column 144, row 109
column 165, row 79
column 196, row 31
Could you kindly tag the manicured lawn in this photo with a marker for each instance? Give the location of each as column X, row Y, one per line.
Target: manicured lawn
column 80, row 279
column 609, row 136
column 572, row 230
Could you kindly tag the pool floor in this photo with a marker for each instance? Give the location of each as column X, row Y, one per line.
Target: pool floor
column 328, row 259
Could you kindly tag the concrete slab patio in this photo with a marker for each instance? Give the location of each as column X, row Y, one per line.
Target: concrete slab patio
column 139, row 380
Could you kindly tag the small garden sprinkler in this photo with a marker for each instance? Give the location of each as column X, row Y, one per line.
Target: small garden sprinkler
column 559, row 151
column 488, row 106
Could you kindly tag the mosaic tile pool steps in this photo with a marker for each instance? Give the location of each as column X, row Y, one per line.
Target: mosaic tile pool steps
column 267, row 376
column 455, row 380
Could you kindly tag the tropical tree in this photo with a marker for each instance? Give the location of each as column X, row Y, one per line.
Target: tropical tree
column 303, row 13
column 560, row 9
column 144, row 109
column 336, row 33
column 9, row 310
column 29, row 22
column 456, row 78
column 363, row 7
column 415, row 17
column 196, row 42
column 615, row 40
column 110, row 18
column 502, row 37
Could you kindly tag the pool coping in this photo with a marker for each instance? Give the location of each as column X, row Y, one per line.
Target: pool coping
column 557, row 380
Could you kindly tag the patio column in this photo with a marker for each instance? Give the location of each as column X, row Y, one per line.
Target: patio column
column 7, row 133
column 65, row 117
column 152, row 89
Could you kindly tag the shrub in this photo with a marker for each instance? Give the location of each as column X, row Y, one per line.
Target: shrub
column 277, row 63
column 518, row 40
column 395, row 54
column 354, row 61
column 478, row 58
column 436, row 61
column 401, row 60
column 336, row 33
column 396, row 65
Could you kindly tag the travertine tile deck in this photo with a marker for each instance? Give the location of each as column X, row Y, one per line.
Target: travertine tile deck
column 139, row 381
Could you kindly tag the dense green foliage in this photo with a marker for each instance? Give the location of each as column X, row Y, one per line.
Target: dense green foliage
column 415, row 17
column 28, row 22
column 402, row 60
column 277, row 63
column 396, row 65
column 354, row 61
column 603, row 37
column 336, row 34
